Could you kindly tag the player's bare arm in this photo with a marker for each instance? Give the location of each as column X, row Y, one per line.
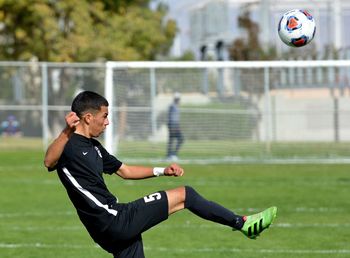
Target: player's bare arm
column 140, row 172
column 55, row 149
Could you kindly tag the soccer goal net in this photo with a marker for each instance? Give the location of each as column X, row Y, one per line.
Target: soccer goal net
column 230, row 111
column 288, row 111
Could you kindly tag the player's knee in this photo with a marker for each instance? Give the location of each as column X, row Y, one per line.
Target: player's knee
column 191, row 196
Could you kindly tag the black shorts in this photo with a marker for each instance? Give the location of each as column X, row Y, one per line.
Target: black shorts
column 123, row 236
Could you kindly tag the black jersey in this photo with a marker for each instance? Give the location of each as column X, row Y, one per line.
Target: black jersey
column 80, row 169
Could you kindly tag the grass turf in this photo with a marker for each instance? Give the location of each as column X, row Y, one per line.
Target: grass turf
column 38, row 220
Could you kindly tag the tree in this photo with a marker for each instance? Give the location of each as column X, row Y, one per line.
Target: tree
column 119, row 6
column 83, row 30
column 78, row 31
column 249, row 47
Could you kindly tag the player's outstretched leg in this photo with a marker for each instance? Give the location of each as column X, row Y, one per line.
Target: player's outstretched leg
column 256, row 223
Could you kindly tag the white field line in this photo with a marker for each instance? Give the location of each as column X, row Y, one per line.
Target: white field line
column 41, row 245
column 240, row 210
column 36, row 214
column 212, row 183
column 183, row 250
column 179, row 226
column 240, row 160
column 275, row 225
column 258, row 251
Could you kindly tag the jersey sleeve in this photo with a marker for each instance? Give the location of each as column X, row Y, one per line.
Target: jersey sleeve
column 52, row 169
column 110, row 163
column 64, row 158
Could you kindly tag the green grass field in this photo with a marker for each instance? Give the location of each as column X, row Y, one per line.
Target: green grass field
column 38, row 221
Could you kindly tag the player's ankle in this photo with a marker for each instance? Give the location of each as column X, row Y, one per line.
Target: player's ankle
column 238, row 222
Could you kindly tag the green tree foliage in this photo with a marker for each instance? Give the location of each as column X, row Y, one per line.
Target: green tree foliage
column 83, row 30
column 249, row 48
column 119, row 6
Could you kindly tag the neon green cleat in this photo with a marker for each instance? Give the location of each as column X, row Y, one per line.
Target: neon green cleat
column 256, row 223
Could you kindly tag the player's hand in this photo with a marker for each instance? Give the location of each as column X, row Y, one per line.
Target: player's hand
column 174, row 170
column 72, row 120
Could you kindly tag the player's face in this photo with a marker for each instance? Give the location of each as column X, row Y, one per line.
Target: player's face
column 99, row 122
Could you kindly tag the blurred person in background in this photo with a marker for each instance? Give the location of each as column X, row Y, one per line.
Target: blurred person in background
column 11, row 127
column 176, row 138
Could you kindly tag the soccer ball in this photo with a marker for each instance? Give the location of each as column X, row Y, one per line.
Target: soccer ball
column 297, row 28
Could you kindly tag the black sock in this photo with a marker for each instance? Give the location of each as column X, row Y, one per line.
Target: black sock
column 210, row 210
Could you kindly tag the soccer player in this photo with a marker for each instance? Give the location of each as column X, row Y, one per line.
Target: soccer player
column 10, row 127
column 80, row 161
column 175, row 134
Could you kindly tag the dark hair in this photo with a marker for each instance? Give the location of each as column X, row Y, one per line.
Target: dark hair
column 88, row 100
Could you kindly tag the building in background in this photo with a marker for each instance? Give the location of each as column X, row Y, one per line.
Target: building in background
column 207, row 27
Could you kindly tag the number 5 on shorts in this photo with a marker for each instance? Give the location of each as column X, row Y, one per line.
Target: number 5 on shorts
column 152, row 197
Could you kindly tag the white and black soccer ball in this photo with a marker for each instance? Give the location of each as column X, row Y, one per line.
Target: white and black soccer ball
column 297, row 28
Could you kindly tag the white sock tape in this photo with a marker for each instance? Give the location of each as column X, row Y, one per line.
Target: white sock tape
column 158, row 171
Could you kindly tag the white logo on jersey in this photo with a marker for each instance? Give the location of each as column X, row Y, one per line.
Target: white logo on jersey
column 98, row 152
column 84, row 153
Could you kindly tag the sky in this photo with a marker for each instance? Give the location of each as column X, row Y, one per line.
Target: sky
column 179, row 10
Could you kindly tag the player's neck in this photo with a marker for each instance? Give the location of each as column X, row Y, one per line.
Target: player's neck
column 83, row 130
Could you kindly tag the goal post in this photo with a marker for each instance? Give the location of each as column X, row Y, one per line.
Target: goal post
column 110, row 139
column 230, row 111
